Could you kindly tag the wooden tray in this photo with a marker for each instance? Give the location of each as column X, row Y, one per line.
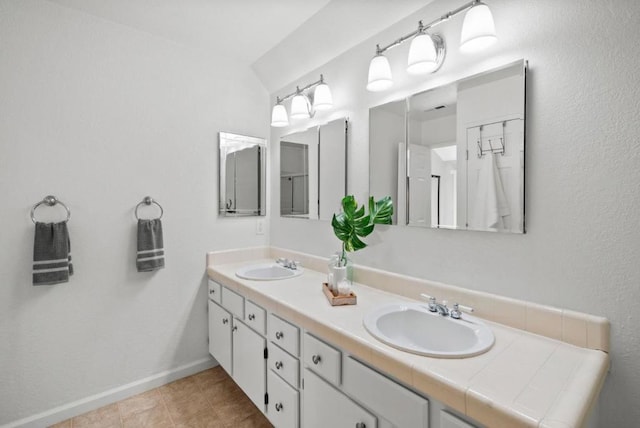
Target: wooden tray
column 351, row 299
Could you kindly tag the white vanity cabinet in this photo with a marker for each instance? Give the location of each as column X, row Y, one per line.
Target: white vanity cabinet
column 300, row 381
column 240, row 351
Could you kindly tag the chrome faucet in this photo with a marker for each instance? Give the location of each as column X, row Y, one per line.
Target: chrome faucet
column 289, row 264
column 438, row 307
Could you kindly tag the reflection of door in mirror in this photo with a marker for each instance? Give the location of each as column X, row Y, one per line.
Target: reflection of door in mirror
column 433, row 158
column 299, row 174
column 242, row 175
column 387, row 155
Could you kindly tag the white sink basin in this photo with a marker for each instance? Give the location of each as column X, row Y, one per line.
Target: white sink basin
column 413, row 328
column 267, row 272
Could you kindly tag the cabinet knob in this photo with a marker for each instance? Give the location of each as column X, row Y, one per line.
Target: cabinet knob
column 279, row 335
column 279, row 407
column 316, row 359
column 225, row 320
column 361, row 425
column 252, row 317
column 235, row 328
column 212, row 291
column 278, row 365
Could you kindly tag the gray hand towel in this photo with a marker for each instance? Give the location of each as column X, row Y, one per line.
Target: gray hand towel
column 51, row 254
column 150, row 255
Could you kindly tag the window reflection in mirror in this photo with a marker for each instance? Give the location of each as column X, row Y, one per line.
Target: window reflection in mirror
column 242, row 184
column 463, row 166
column 313, row 171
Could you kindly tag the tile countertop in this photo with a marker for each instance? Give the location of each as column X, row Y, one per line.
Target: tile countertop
column 523, row 380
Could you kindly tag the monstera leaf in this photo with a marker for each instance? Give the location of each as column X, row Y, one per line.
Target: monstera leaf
column 354, row 223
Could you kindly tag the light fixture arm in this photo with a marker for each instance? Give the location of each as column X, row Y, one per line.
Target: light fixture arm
column 422, row 28
column 299, row 90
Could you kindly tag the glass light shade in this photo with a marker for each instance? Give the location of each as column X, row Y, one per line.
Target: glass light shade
column 423, row 58
column 322, row 99
column 478, row 29
column 299, row 107
column 279, row 116
column 379, row 74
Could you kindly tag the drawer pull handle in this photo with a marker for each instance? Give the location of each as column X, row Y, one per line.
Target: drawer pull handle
column 279, row 365
column 361, row 425
column 212, row 291
column 279, row 407
column 225, row 320
column 316, row 359
column 235, row 328
column 279, row 335
column 252, row 317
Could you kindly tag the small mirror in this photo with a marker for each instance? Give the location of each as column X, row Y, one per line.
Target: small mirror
column 463, row 166
column 242, row 175
column 313, row 171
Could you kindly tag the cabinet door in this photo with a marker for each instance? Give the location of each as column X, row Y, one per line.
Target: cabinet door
column 283, row 403
column 325, row 406
column 220, row 335
column 249, row 364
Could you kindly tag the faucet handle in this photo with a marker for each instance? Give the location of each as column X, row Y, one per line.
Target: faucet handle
column 432, row 302
column 295, row 264
column 455, row 312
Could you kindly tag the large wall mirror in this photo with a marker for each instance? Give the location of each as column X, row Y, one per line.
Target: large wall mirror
column 313, row 171
column 453, row 156
column 242, row 175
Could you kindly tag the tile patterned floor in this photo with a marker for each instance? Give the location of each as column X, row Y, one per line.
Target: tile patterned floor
column 209, row 399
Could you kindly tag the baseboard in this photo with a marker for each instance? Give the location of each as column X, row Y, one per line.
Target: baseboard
column 93, row 402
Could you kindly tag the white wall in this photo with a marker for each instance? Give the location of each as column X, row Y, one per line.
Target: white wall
column 582, row 246
column 101, row 115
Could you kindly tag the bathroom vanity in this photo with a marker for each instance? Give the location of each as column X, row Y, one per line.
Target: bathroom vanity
column 307, row 364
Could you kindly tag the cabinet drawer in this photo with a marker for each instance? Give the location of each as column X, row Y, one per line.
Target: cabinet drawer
column 286, row 366
column 283, row 407
column 322, row 358
column 285, row 335
column 233, row 302
column 255, row 317
column 214, row 291
column 324, row 406
column 393, row 402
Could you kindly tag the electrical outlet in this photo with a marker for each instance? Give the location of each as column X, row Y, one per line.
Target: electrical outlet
column 259, row 227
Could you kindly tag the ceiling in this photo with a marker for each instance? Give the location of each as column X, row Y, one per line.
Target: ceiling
column 275, row 37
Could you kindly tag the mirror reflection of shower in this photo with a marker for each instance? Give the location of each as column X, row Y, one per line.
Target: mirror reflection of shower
column 294, row 179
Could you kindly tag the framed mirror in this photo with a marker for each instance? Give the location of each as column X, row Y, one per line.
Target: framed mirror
column 242, row 166
column 460, row 162
column 313, row 171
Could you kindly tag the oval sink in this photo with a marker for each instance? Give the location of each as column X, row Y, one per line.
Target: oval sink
column 413, row 328
column 267, row 272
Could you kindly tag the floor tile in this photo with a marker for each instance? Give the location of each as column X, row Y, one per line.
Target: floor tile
column 63, row 424
column 156, row 417
column 181, row 411
column 208, row 419
column 104, row 417
column 140, row 403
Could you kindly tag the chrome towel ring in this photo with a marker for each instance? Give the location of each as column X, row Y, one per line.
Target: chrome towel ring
column 49, row 201
column 148, row 200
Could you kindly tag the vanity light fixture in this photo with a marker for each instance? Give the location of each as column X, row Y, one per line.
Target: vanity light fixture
column 304, row 103
column 427, row 51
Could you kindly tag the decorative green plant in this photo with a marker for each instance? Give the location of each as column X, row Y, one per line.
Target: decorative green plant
column 353, row 223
